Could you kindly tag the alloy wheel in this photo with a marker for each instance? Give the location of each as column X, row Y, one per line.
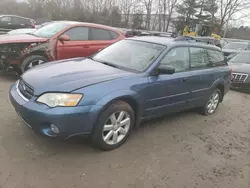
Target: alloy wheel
column 116, row 127
column 213, row 102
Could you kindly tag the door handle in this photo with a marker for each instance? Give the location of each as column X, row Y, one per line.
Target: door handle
column 85, row 46
column 185, row 79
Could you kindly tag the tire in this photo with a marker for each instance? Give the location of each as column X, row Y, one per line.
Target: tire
column 36, row 59
column 206, row 110
column 113, row 110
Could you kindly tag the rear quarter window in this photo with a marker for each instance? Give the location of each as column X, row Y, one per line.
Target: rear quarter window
column 216, row 58
column 114, row 35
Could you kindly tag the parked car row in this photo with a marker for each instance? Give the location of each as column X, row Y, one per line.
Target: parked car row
column 65, row 98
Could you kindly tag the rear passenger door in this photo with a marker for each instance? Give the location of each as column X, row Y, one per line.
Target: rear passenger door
column 18, row 22
column 100, row 39
column 203, row 74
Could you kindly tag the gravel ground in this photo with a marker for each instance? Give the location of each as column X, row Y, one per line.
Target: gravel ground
column 185, row 150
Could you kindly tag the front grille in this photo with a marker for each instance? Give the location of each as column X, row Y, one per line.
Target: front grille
column 239, row 78
column 26, row 90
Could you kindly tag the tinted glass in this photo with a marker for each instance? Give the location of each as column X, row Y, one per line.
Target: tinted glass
column 215, row 57
column 19, row 21
column 100, row 34
column 50, row 30
column 78, row 34
column 235, row 46
column 113, row 34
column 6, row 19
column 129, row 54
column 199, row 58
column 177, row 58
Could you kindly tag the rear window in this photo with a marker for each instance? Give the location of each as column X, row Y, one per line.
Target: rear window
column 100, row 34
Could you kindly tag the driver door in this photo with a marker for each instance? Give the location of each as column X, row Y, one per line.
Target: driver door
column 169, row 93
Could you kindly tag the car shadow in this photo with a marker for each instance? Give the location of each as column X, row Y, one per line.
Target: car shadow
column 9, row 76
column 82, row 144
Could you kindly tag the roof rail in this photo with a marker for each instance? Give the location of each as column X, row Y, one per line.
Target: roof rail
column 194, row 39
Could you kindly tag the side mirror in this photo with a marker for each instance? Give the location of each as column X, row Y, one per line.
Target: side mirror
column 164, row 69
column 64, row 38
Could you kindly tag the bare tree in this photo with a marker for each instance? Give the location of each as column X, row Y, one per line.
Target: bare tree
column 148, row 5
column 228, row 8
column 171, row 5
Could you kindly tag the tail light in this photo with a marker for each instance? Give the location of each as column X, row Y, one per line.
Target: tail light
column 33, row 25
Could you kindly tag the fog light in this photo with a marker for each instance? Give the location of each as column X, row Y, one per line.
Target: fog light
column 54, row 128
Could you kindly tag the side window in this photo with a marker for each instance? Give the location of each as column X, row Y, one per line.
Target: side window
column 17, row 21
column 215, row 57
column 6, row 19
column 78, row 33
column 113, row 34
column 177, row 58
column 100, row 34
column 198, row 58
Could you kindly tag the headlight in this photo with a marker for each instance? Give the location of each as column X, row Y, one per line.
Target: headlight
column 60, row 99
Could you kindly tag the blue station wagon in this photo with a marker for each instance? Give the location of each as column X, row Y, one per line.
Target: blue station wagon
column 106, row 95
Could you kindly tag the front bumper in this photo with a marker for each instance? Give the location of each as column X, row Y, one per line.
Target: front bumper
column 71, row 121
column 244, row 87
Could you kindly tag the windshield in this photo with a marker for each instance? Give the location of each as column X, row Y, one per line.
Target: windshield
column 235, row 46
column 49, row 30
column 243, row 57
column 130, row 54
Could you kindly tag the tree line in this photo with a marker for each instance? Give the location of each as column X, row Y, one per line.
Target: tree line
column 138, row 14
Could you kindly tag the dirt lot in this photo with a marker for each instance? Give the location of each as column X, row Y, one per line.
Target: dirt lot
column 182, row 151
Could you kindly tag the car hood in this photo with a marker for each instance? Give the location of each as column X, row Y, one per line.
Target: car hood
column 21, row 38
column 240, row 67
column 70, row 75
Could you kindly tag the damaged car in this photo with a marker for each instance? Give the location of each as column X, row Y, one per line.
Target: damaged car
column 56, row 41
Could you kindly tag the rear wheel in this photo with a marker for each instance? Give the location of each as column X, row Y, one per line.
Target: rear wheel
column 32, row 61
column 212, row 104
column 114, row 126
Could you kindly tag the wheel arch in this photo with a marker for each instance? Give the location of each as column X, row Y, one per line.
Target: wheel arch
column 130, row 97
column 220, row 84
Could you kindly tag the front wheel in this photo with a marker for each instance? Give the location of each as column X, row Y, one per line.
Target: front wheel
column 212, row 103
column 32, row 61
column 114, row 126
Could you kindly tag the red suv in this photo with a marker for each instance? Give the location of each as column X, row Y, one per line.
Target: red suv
column 55, row 41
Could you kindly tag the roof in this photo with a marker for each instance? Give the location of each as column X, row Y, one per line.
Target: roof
column 168, row 41
column 15, row 16
column 87, row 23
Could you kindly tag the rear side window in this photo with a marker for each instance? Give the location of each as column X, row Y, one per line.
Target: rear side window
column 100, row 34
column 19, row 21
column 177, row 58
column 216, row 57
column 78, row 33
column 199, row 58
